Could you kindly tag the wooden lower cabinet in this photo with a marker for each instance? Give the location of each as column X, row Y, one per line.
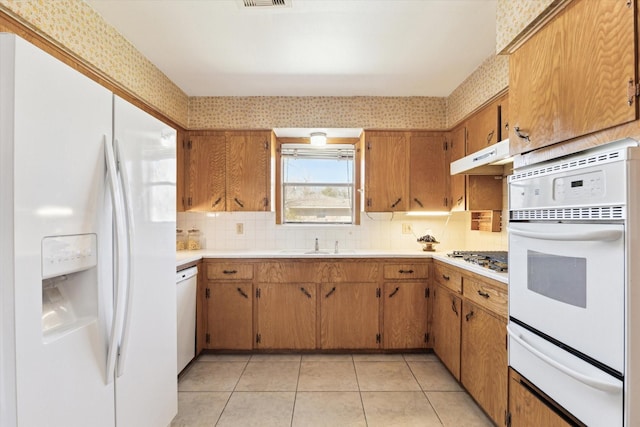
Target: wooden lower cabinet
column 527, row 408
column 230, row 316
column 405, row 317
column 349, row 316
column 286, row 316
column 483, row 365
column 447, row 307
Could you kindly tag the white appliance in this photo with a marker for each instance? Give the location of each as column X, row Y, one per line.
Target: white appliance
column 487, row 161
column 574, row 305
column 186, row 288
column 87, row 223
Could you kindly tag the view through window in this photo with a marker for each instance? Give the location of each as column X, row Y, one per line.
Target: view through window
column 318, row 184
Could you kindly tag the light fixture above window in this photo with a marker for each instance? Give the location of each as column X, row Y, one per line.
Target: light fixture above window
column 318, row 138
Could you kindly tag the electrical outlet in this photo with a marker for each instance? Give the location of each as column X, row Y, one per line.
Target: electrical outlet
column 239, row 228
column 406, row 228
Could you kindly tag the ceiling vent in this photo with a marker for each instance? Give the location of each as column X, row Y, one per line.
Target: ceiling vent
column 266, row 3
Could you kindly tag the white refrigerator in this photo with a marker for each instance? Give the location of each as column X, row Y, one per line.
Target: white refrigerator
column 87, row 261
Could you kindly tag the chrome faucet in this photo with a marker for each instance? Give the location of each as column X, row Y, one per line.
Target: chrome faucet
column 336, row 247
column 317, row 247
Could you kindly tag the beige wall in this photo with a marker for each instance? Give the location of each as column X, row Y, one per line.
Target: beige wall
column 76, row 27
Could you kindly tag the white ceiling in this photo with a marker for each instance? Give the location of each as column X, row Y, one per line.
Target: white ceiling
column 313, row 48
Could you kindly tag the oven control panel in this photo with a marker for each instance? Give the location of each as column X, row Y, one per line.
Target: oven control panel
column 579, row 187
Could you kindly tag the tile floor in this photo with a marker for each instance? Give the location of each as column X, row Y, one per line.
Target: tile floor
column 323, row 390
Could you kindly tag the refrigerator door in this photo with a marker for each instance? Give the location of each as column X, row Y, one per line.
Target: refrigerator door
column 55, row 121
column 146, row 383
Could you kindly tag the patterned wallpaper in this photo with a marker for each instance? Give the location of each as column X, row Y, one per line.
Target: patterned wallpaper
column 341, row 112
column 76, row 27
column 491, row 77
column 514, row 17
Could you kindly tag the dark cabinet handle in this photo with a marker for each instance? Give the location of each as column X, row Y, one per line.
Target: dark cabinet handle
column 460, row 200
column 490, row 137
column 394, row 292
column 453, row 306
column 235, row 199
column 216, row 202
column 330, row 292
column 405, row 271
column 241, row 292
column 396, row 202
column 483, row 294
column 506, row 126
column 445, row 277
column 520, row 134
column 418, row 202
column 469, row 315
column 304, row 291
column 229, row 271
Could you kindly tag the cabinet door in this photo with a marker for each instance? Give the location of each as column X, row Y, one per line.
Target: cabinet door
column 286, row 316
column 483, row 128
column 484, row 193
column 205, row 174
column 429, row 173
column 572, row 77
column 230, row 316
column 447, row 307
column 528, row 409
column 483, row 365
column 386, row 172
column 405, row 315
column 349, row 316
column 458, row 182
column 248, row 158
column 181, row 145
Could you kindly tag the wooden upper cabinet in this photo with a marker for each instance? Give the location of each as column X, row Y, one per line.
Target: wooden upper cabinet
column 457, row 182
column 386, row 171
column 181, row 142
column 205, row 172
column 248, row 156
column 484, row 192
column 575, row 76
column 429, row 172
column 483, row 128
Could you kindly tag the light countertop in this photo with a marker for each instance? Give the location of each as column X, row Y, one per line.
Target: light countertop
column 186, row 257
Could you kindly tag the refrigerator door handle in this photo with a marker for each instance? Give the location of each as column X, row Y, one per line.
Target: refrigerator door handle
column 120, row 259
column 128, row 287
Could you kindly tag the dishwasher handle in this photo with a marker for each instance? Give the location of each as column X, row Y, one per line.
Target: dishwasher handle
column 186, row 274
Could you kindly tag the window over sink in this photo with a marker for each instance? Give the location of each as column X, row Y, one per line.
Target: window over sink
column 318, row 184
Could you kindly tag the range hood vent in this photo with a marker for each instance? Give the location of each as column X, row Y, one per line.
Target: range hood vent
column 487, row 161
column 266, row 3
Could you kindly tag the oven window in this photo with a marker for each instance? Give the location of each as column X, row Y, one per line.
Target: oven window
column 561, row 278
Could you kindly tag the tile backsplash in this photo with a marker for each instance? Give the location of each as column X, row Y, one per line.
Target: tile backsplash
column 377, row 231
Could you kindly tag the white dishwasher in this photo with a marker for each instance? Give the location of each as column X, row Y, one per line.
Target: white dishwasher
column 186, row 287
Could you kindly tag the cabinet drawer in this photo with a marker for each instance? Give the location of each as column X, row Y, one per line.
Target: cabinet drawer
column 229, row 271
column 487, row 296
column 349, row 271
column 406, row 271
column 288, row 272
column 448, row 277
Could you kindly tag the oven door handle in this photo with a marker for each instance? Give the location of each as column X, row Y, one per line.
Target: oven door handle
column 589, row 236
column 598, row 384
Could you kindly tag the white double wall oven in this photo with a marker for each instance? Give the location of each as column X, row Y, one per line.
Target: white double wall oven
column 572, row 236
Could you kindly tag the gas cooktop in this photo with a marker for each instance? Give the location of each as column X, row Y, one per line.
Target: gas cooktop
column 494, row 260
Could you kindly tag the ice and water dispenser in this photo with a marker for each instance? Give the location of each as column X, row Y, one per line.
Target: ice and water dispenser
column 69, row 284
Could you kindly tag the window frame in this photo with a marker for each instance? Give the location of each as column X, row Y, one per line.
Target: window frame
column 357, row 165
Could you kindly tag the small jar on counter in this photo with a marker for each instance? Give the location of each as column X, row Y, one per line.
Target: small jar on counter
column 194, row 239
column 181, row 240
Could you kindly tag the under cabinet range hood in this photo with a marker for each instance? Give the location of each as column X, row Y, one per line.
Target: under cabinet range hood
column 487, row 161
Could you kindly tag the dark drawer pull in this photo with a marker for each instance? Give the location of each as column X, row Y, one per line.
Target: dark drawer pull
column 394, row 292
column 405, row 271
column 216, row 202
column 235, row 199
column 229, row 271
column 330, row 292
column 396, row 202
column 483, row 294
column 241, row 292
column 453, row 306
column 304, row 291
column 469, row 315
column 445, row 277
